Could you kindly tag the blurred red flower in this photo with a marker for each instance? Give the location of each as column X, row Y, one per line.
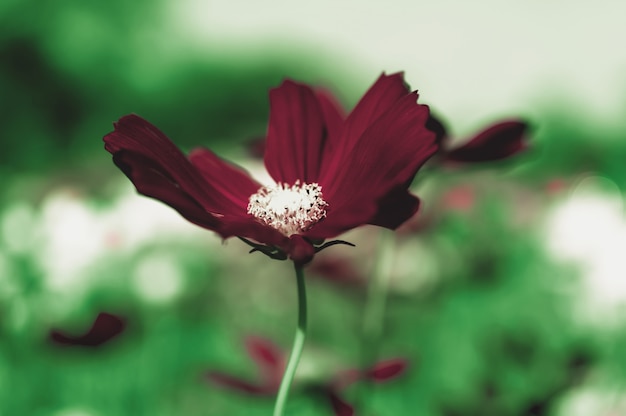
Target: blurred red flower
column 269, row 360
column 332, row 172
column 496, row 142
column 105, row 327
column 270, row 364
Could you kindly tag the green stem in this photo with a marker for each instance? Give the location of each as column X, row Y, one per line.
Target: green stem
column 374, row 313
column 298, row 343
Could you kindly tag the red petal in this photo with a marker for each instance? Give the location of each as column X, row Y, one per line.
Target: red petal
column 230, row 181
column 334, row 117
column 237, row 384
column 395, row 208
column 104, row 328
column 340, row 406
column 386, row 157
column 265, row 354
column 387, row 370
column 344, row 378
column 250, row 228
column 211, row 194
column 135, row 135
column 235, row 185
column 149, row 181
column 497, row 142
column 296, row 134
column 381, row 96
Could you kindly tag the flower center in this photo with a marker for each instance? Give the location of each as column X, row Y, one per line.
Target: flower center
column 289, row 209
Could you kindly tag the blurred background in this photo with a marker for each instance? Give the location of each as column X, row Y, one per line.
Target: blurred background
column 505, row 296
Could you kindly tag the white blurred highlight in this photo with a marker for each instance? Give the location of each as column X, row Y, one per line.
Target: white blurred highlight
column 589, row 229
column 593, row 401
column 74, row 234
column 158, row 278
column 70, row 240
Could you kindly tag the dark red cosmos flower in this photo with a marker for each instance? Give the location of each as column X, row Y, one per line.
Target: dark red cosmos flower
column 496, row 142
column 270, row 362
column 332, row 173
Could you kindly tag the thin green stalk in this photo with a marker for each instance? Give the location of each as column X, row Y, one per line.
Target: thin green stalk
column 374, row 310
column 298, row 343
column 378, row 286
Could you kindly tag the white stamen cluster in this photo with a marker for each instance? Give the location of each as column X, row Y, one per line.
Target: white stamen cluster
column 289, row 209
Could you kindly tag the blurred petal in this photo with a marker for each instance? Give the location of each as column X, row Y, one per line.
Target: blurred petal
column 387, row 370
column 395, row 208
column 269, row 359
column 340, row 406
column 436, row 126
column 104, row 328
column 237, row 384
column 296, row 134
column 494, row 143
column 265, row 354
column 344, row 378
